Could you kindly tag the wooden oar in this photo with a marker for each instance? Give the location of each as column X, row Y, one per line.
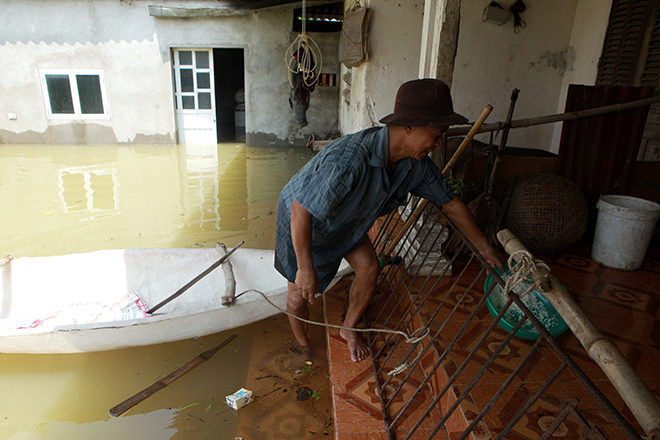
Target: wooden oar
column 422, row 204
column 194, row 281
column 162, row 383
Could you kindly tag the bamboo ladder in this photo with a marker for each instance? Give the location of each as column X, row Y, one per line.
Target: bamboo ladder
column 637, row 395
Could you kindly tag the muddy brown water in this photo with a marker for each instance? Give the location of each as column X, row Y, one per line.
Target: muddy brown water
column 59, row 199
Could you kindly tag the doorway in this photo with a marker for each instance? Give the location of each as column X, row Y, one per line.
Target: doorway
column 229, row 94
column 209, row 95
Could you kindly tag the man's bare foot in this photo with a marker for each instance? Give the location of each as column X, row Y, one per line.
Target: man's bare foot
column 307, row 351
column 357, row 345
column 301, row 354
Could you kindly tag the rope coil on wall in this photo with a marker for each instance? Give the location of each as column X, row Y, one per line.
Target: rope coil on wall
column 303, row 55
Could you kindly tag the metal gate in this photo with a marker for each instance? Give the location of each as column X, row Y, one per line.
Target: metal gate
column 469, row 378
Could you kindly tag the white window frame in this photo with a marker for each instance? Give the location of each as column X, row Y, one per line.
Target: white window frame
column 77, row 112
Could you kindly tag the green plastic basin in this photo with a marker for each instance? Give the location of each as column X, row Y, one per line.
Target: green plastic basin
column 535, row 302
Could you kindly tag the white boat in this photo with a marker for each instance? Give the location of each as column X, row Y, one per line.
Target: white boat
column 74, row 303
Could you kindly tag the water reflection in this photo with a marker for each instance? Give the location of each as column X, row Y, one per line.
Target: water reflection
column 64, row 199
column 156, row 425
column 87, row 189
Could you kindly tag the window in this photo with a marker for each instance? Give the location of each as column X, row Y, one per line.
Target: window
column 74, row 94
column 324, row 18
column 192, row 85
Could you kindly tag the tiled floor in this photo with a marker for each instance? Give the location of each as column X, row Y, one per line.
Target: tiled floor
column 625, row 306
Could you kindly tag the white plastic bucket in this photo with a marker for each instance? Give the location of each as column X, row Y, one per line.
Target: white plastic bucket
column 623, row 231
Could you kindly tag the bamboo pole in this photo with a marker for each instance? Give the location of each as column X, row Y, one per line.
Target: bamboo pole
column 457, row 154
column 639, row 398
column 194, row 281
column 548, row 119
column 129, row 403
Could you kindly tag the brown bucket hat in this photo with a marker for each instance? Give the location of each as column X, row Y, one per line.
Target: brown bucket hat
column 423, row 102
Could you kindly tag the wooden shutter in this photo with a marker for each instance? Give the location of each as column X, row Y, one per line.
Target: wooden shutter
column 631, row 57
column 651, row 71
column 631, row 52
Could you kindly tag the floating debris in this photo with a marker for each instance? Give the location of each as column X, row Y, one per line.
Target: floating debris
column 239, row 399
column 304, row 393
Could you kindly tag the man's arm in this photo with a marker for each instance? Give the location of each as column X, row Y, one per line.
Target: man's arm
column 464, row 220
column 307, row 279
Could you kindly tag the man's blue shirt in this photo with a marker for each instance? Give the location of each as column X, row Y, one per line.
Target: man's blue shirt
column 346, row 188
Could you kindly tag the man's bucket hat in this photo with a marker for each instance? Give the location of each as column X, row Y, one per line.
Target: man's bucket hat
column 423, row 102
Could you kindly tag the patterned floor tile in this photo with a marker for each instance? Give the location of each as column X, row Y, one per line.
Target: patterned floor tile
column 624, row 306
column 378, row 435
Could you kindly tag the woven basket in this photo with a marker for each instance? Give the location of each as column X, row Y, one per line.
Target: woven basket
column 548, row 213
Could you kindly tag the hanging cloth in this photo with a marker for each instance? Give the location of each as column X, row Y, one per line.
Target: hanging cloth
column 354, row 37
column 301, row 88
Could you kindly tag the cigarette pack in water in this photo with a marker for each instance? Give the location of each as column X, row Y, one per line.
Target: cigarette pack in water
column 239, row 399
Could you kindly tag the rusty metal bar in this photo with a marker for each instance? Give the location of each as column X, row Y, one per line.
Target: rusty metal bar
column 502, row 388
column 470, row 356
column 532, row 399
column 402, row 295
column 577, row 371
column 559, row 419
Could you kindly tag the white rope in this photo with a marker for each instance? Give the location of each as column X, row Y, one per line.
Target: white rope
column 303, row 55
column 411, row 339
column 520, row 272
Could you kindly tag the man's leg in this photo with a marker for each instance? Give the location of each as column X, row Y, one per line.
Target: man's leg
column 297, row 305
column 364, row 262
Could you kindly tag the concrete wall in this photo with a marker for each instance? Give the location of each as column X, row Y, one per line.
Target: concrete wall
column 493, row 60
column 560, row 45
column 394, row 45
column 589, row 29
column 134, row 50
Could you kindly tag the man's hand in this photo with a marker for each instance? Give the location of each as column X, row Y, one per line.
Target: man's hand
column 464, row 220
column 307, row 279
column 307, row 282
column 493, row 257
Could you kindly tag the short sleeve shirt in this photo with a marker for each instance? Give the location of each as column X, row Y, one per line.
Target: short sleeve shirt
column 346, row 187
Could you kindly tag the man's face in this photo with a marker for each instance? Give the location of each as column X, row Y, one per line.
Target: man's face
column 423, row 140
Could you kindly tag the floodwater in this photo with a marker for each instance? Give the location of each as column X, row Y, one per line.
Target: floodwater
column 59, row 199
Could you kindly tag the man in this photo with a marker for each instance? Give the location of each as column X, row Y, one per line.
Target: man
column 326, row 210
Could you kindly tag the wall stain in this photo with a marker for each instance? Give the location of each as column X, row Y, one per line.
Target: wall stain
column 80, row 134
column 562, row 60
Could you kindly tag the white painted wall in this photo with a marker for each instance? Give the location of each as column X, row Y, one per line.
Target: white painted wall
column 83, row 35
column 133, row 49
column 560, row 45
column 589, row 29
column 493, row 60
column 394, row 44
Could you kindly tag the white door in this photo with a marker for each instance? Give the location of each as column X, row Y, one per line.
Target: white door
column 194, row 94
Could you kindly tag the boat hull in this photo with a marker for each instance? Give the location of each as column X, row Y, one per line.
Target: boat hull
column 154, row 274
